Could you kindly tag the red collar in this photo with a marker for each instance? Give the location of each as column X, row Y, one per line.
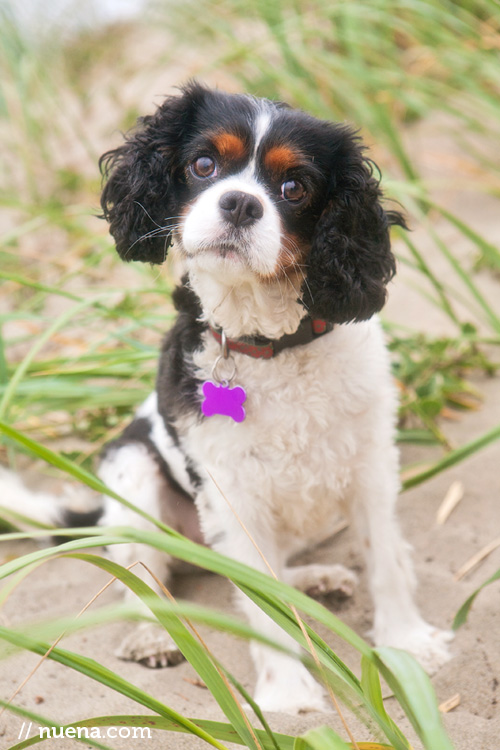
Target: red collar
column 260, row 347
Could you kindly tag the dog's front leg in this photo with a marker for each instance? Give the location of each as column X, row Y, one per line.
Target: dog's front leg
column 283, row 683
column 397, row 621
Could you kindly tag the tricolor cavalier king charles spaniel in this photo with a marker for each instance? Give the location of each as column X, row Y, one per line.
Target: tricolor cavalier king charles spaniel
column 274, row 391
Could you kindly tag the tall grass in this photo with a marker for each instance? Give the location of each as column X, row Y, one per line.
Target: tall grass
column 79, row 335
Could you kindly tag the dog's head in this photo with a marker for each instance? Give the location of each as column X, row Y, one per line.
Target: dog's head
column 251, row 188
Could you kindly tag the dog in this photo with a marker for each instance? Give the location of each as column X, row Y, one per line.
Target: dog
column 274, row 408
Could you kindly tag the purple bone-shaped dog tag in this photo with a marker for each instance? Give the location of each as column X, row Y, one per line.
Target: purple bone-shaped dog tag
column 222, row 399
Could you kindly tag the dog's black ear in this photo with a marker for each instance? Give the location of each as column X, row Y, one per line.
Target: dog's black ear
column 141, row 197
column 350, row 262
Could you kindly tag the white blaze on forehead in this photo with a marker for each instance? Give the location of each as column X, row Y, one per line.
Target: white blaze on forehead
column 261, row 125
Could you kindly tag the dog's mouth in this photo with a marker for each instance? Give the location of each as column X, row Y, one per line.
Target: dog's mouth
column 224, row 249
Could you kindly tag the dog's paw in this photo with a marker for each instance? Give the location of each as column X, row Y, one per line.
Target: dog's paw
column 150, row 645
column 320, row 580
column 286, row 686
column 331, row 579
column 429, row 645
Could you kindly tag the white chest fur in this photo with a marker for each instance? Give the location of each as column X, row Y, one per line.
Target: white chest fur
column 311, row 412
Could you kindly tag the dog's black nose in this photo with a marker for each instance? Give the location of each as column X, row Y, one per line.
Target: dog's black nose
column 241, row 209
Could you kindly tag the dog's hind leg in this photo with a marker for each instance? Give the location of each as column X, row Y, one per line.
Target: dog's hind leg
column 320, row 580
column 72, row 506
column 132, row 472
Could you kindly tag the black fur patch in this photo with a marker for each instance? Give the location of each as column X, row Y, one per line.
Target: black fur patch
column 177, row 387
column 145, row 183
column 193, row 474
column 139, row 431
column 74, row 519
column 350, row 261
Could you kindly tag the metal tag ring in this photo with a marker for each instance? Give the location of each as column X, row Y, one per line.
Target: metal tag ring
column 224, row 348
column 217, row 374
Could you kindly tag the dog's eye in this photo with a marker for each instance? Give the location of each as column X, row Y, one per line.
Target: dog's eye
column 204, row 166
column 293, row 191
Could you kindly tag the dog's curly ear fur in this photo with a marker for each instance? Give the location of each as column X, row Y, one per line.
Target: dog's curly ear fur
column 140, row 199
column 350, row 262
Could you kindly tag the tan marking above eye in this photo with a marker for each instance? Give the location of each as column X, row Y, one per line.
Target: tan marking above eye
column 280, row 158
column 229, row 146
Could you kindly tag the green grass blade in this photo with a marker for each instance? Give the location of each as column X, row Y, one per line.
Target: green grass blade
column 43, row 722
column 466, row 279
column 99, row 538
column 52, row 629
column 273, row 738
column 453, row 458
column 425, row 269
column 389, row 132
column 24, row 281
column 414, row 691
column 107, row 312
column 489, row 251
column 4, row 374
column 370, row 682
column 463, row 612
column 322, row 738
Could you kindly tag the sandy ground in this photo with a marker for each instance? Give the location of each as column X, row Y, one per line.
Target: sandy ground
column 64, row 586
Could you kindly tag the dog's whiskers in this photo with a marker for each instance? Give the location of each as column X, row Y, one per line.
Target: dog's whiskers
column 297, row 266
column 146, row 212
column 168, row 228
